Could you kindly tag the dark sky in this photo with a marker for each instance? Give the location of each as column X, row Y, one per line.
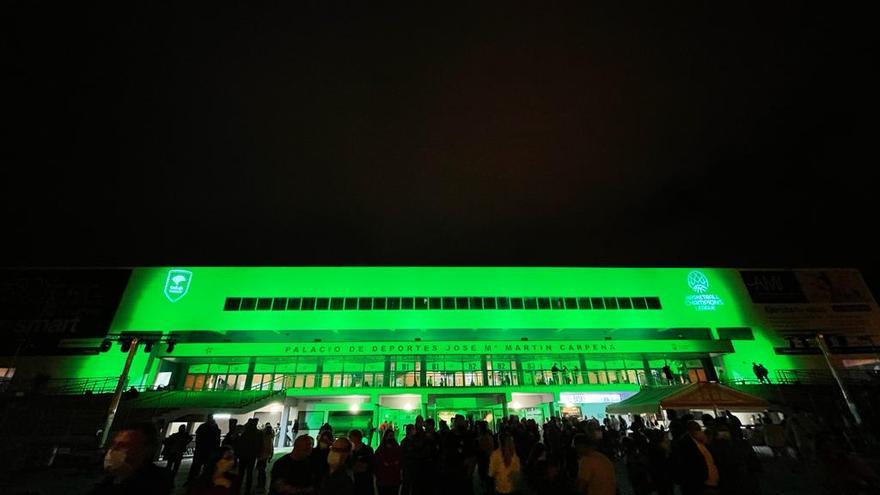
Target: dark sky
column 681, row 134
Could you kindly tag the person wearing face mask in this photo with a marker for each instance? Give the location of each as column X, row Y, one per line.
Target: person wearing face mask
column 339, row 480
column 319, row 455
column 295, row 472
column 218, row 477
column 387, row 465
column 129, row 464
column 694, row 465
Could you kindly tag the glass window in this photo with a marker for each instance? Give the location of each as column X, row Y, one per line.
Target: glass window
column 336, row 303
column 489, row 303
column 322, row 303
column 293, row 303
column 279, row 304
column 264, row 303
column 308, row 304
column 232, row 304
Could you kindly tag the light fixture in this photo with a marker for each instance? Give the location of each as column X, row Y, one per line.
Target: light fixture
column 514, row 405
column 126, row 344
column 355, row 407
column 170, row 348
column 222, row 415
column 148, row 346
column 105, row 345
column 407, row 407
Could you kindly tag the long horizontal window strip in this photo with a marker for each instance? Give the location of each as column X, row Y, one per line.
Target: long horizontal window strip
column 430, row 303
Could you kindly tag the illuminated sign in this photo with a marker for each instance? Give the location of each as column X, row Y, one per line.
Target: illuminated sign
column 449, row 348
column 177, row 284
column 588, row 398
column 699, row 283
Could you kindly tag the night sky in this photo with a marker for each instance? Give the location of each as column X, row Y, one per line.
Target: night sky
column 673, row 134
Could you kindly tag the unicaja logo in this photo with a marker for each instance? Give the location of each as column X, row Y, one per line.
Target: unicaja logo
column 177, row 284
column 698, row 282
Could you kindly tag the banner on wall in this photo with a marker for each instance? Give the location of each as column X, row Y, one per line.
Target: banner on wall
column 810, row 301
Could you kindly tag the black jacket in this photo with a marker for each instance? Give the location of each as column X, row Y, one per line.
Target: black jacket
column 688, row 463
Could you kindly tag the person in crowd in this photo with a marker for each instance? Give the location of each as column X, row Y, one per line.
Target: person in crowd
column 129, row 464
column 232, row 435
column 736, row 461
column 667, row 373
column 694, row 466
column 319, row 454
column 266, row 454
column 504, row 466
column 757, row 371
column 248, row 446
column 296, row 472
column 764, row 373
column 207, row 441
column 659, row 464
column 458, row 458
column 595, row 472
column 339, row 479
column 370, row 431
column 387, row 465
column 173, row 449
column 295, row 429
column 361, row 462
column 218, row 477
column 485, row 447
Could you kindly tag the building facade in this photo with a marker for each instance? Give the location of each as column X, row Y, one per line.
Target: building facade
column 348, row 345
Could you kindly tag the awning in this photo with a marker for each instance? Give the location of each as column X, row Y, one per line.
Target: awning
column 691, row 396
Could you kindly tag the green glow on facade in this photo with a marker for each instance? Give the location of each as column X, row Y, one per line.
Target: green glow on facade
column 172, row 300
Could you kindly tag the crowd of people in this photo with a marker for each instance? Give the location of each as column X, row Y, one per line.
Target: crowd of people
column 692, row 456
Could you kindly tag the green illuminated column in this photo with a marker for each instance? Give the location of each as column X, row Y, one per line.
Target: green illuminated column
column 504, row 412
column 423, row 373
column 646, row 365
column 519, row 372
column 583, row 361
column 252, row 364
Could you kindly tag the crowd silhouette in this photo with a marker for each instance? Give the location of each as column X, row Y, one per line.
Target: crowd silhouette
column 708, row 455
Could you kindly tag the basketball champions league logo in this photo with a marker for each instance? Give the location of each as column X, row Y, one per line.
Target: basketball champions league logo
column 699, row 283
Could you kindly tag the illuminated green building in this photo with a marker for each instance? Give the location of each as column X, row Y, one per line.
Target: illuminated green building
column 346, row 345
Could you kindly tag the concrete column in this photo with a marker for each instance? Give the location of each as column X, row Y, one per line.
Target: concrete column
column 504, row 411
column 423, row 372
column 584, row 376
column 389, row 380
column 646, row 366
column 249, row 379
column 519, row 371
column 483, row 365
column 282, row 433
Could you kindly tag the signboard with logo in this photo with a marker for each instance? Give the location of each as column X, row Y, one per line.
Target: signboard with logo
column 588, row 398
column 38, row 308
column 800, row 302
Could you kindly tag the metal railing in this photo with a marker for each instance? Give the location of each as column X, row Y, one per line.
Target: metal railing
column 219, row 399
column 451, row 379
